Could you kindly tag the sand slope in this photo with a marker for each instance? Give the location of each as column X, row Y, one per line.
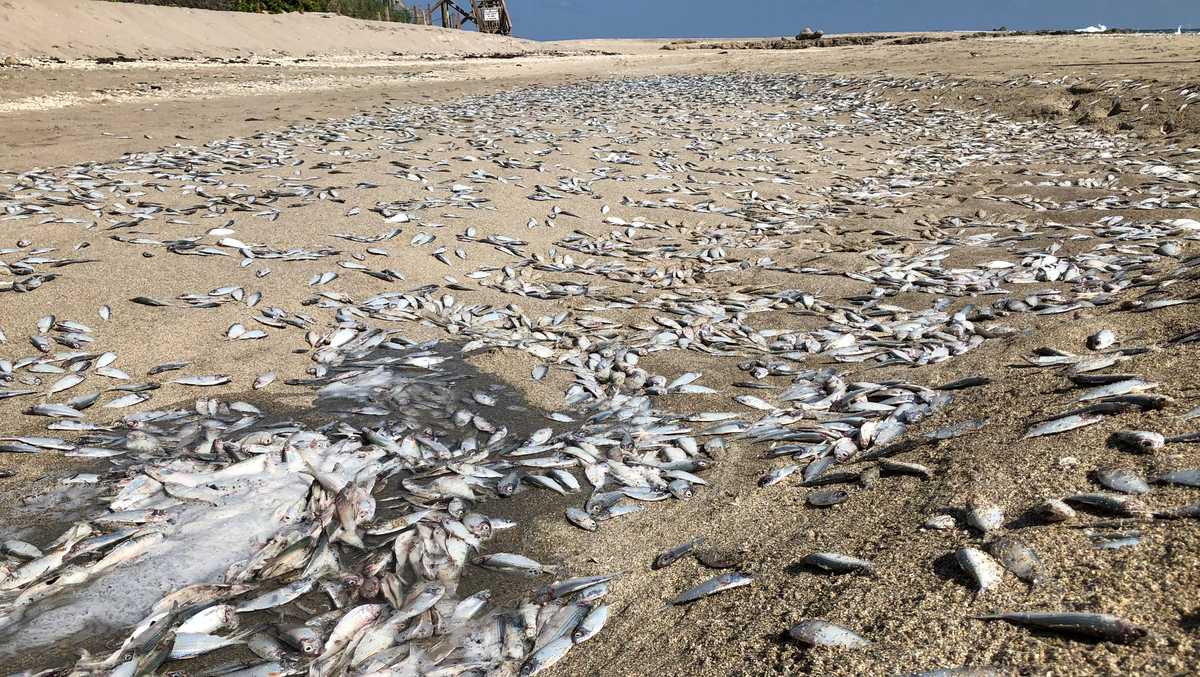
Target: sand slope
column 77, row 29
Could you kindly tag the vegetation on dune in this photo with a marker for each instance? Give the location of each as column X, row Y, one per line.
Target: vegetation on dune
column 382, row 10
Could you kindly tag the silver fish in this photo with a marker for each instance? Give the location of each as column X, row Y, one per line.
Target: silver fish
column 816, row 632
column 712, row 586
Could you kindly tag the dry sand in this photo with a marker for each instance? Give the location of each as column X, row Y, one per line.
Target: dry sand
column 917, row 609
column 89, row 29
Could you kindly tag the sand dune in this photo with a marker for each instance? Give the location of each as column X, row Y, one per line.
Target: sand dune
column 80, row 29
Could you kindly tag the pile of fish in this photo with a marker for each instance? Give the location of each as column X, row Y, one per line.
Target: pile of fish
column 340, row 546
column 378, row 519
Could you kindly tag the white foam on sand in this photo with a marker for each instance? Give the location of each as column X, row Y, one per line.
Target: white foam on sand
column 201, row 543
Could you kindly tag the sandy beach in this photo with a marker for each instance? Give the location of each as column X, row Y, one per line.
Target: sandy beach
column 870, row 192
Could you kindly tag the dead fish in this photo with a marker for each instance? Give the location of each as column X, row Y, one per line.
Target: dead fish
column 147, row 301
column 591, row 625
column 1018, row 558
column 712, row 586
column 547, row 656
column 838, row 563
column 948, row 432
column 893, row 467
column 54, row 411
column 1117, row 504
column 203, row 381
column 1189, row 477
column 940, row 522
column 1184, row 512
column 964, row 383
column 169, row 366
column 1101, row 339
column 671, row 556
column 66, row 383
column 715, row 559
column 1139, row 402
column 1124, row 480
column 128, row 400
column 985, row 573
column 1063, row 424
column 1137, row 441
column 1117, row 542
column 1089, row 380
column 503, row 561
column 777, row 475
column 1128, row 387
column 1080, row 624
column 825, row 499
column 816, row 632
column 984, row 517
column 190, row 645
column 263, row 380
column 581, row 519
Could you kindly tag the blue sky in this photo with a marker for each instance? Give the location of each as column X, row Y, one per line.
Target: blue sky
column 562, row 19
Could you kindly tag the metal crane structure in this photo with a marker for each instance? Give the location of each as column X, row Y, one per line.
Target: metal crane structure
column 490, row 16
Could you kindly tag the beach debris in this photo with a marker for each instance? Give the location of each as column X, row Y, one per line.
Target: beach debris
column 1104, row 627
column 816, row 632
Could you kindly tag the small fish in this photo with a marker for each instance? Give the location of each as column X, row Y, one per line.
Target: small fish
column 66, row 383
column 964, row 383
column 203, row 381
column 147, row 301
column 1127, row 387
column 1051, row 511
column 777, row 475
column 591, row 625
column 948, row 432
column 838, row 563
column 940, row 522
column 816, row 632
column 54, row 411
column 1063, row 424
column 190, row 645
column 1117, row 542
column 893, row 467
column 1124, row 480
column 263, row 380
column 984, row 517
column 1101, row 339
column 503, row 561
column 1137, row 441
column 1081, row 624
column 825, row 499
column 1189, row 477
column 169, row 366
column 673, row 555
column 1184, row 512
column 547, row 656
column 712, row 586
column 984, row 571
column 581, row 519
column 716, row 559
column 1018, row 558
column 1117, row 504
column 755, row 402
